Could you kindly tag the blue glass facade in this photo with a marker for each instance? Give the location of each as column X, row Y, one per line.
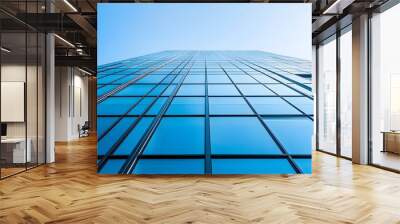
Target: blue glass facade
column 205, row 112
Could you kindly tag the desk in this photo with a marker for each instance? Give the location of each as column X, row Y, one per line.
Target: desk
column 15, row 148
column 391, row 141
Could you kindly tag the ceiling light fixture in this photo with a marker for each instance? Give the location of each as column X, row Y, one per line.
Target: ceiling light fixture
column 5, row 50
column 70, row 5
column 64, row 40
column 84, row 71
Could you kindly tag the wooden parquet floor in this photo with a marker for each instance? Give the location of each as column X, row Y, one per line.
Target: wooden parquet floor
column 70, row 191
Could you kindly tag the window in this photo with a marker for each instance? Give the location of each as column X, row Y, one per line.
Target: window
column 304, row 165
column 255, row 90
column 385, row 88
column 151, row 79
column 142, row 106
column 240, row 135
column 170, row 166
column 294, row 133
column 130, row 142
column 157, row 106
column 191, row 90
column 105, row 144
column 109, row 79
column 168, row 79
column 112, row 166
column 229, row 105
column 158, row 90
column 135, row 90
column 303, row 103
column 104, row 123
column 251, row 166
column 264, row 79
column 194, row 79
column 283, row 90
column 272, row 105
column 105, row 89
column 125, row 79
column 243, row 79
column 346, row 75
column 177, row 136
column 327, row 96
column 116, row 105
column 222, row 90
column 186, row 106
column 169, row 90
column 218, row 79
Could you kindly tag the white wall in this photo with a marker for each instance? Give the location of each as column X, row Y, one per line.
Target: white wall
column 33, row 126
column 71, row 102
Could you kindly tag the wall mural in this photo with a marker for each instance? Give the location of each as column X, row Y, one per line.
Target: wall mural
column 204, row 89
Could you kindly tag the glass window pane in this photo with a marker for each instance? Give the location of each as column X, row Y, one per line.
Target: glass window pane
column 158, row 90
column 264, row 79
column 303, row 103
column 142, row 106
column 125, row 79
column 218, row 79
column 228, row 105
column 303, row 90
column 287, row 132
column 191, row 90
column 157, row 106
column 251, row 166
column 169, row 166
column 283, row 90
column 116, row 105
column 109, row 79
column 151, row 79
column 103, row 123
column 255, row 90
column 242, row 79
column 127, row 146
column 168, row 79
column 222, row 90
column 135, row 90
column 178, row 136
column 108, row 140
column 112, row 166
column 169, row 90
column 105, row 89
column 186, row 105
column 240, row 135
column 272, row 106
column 305, row 165
column 194, row 79
column 327, row 96
column 385, row 89
column 346, row 94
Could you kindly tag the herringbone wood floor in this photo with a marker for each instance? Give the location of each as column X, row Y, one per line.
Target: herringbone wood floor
column 70, row 191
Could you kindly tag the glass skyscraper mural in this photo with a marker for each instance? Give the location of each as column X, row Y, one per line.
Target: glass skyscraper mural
column 205, row 112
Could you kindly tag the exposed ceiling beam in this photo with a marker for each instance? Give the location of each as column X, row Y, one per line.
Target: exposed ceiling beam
column 338, row 6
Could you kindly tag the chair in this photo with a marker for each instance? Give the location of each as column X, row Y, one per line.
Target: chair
column 84, row 130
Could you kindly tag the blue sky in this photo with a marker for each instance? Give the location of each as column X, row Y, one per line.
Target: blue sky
column 130, row 30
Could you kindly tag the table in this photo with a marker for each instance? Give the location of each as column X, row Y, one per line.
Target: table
column 13, row 150
column 391, row 141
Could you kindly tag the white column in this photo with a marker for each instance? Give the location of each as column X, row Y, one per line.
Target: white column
column 314, row 90
column 360, row 90
column 50, row 99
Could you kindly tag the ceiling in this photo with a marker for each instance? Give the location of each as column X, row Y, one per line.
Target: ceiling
column 75, row 21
